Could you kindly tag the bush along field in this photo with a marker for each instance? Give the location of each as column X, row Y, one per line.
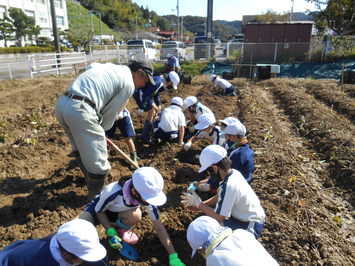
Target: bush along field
column 302, row 133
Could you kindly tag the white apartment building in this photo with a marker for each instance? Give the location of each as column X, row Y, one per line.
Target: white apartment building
column 40, row 11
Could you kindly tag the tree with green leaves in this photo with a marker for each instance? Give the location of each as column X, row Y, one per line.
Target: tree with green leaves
column 24, row 25
column 6, row 29
column 33, row 32
column 163, row 23
column 272, row 17
column 337, row 15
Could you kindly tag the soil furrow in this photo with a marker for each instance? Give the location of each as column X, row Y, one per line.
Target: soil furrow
column 289, row 179
column 331, row 134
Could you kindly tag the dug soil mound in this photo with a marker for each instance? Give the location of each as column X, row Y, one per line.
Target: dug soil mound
column 302, row 133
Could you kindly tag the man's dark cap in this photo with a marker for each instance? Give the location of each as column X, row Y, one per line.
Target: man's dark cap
column 145, row 65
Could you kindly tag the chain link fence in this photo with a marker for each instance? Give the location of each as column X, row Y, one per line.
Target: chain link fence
column 318, row 50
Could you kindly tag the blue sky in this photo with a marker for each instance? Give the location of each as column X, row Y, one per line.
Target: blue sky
column 224, row 9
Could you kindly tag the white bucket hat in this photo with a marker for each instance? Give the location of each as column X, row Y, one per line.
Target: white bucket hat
column 229, row 120
column 236, row 129
column 212, row 76
column 212, row 154
column 169, row 55
column 80, row 238
column 205, row 120
column 190, row 100
column 200, row 231
column 149, row 183
column 177, row 100
column 174, row 78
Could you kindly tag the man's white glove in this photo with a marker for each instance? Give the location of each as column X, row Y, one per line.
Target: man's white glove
column 190, row 199
column 187, row 146
column 140, row 112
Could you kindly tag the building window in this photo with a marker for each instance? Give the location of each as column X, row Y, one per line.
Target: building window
column 2, row 12
column 30, row 13
column 43, row 17
column 60, row 20
column 58, row 3
column 41, row 1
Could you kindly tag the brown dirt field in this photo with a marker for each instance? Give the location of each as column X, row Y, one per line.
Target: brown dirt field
column 304, row 145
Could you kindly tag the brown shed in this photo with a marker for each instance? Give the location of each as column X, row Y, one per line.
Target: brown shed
column 273, row 42
column 285, row 32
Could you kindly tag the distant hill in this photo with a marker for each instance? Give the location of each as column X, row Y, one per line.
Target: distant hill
column 222, row 29
column 123, row 16
column 299, row 16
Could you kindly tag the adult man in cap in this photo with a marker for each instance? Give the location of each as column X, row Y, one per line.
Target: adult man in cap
column 88, row 108
column 173, row 63
column 171, row 125
column 117, row 208
column 221, row 246
column 236, row 204
column 222, row 86
column 195, row 110
column 240, row 153
column 148, row 99
column 75, row 242
column 207, row 129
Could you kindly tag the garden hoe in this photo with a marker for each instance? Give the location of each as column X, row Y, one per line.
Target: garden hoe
column 129, row 160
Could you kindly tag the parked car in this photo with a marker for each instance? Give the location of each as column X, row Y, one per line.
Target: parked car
column 175, row 48
column 141, row 48
column 201, row 47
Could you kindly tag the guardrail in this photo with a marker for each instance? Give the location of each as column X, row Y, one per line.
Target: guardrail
column 42, row 64
column 55, row 62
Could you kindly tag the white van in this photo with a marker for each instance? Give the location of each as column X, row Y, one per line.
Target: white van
column 175, row 48
column 141, row 48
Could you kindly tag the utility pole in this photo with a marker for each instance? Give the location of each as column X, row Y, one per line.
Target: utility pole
column 136, row 28
column 209, row 21
column 291, row 13
column 100, row 29
column 182, row 29
column 178, row 22
column 54, row 26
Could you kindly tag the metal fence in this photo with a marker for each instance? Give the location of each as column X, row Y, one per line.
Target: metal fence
column 55, row 63
column 241, row 53
column 42, row 64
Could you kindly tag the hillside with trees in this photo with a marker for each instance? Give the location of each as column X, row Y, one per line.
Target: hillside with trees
column 83, row 25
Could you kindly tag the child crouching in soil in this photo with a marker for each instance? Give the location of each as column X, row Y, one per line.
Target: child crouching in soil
column 117, row 208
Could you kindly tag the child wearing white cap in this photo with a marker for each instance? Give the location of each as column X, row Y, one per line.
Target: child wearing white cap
column 221, row 246
column 223, row 123
column 75, row 242
column 236, row 205
column 240, row 153
column 148, row 100
column 117, row 208
column 206, row 129
column 222, row 86
column 171, row 125
column 195, row 110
